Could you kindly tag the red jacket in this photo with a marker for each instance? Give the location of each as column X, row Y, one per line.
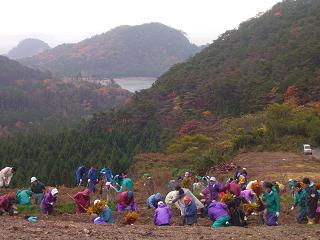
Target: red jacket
column 123, row 199
column 233, row 188
column 82, row 200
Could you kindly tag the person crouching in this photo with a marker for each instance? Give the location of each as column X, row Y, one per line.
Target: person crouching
column 218, row 213
column 162, row 215
column 126, row 202
column 82, row 200
column 48, row 201
column 105, row 216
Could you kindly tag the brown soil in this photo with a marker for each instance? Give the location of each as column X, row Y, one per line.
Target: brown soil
column 264, row 166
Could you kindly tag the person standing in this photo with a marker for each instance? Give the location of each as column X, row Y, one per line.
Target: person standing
column 312, row 196
column 149, row 185
column 190, row 211
column 92, row 179
column 272, row 201
column 301, row 200
column 80, row 174
column 6, row 175
column 38, row 189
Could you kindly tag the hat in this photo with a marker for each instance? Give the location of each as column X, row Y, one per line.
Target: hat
column 187, row 199
column 33, row 179
column 96, row 201
column 213, row 179
column 244, row 168
column 54, row 191
column 186, row 174
column 290, row 179
column 160, row 203
column 108, row 183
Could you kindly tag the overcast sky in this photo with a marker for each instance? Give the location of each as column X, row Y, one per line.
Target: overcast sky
column 58, row 21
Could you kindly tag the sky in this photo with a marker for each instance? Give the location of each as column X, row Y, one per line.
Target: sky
column 64, row 21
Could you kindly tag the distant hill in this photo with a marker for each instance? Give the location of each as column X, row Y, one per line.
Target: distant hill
column 126, row 51
column 11, row 71
column 28, row 48
column 27, row 95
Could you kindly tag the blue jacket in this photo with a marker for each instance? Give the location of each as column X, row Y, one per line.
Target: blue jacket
column 190, row 213
column 108, row 174
column 80, row 172
column 153, row 200
column 107, row 215
column 92, row 175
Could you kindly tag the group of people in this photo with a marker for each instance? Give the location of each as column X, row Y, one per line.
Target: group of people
column 223, row 204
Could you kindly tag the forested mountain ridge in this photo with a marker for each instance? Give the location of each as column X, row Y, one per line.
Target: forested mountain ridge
column 29, row 98
column 28, row 48
column 254, row 86
column 11, row 71
column 242, row 71
column 125, row 51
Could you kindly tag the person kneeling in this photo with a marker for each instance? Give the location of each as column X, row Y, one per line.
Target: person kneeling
column 218, row 213
column 162, row 215
column 105, row 216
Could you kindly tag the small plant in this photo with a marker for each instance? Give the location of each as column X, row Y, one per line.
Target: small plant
column 131, row 217
column 97, row 208
column 227, row 198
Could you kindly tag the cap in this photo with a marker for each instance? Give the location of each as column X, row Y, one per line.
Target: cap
column 33, row 179
column 187, row 199
column 54, row 191
column 160, row 203
column 186, row 174
column 108, row 183
column 213, row 179
column 244, row 168
column 96, row 201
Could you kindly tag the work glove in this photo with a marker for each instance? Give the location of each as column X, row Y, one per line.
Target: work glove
column 291, row 208
column 277, row 214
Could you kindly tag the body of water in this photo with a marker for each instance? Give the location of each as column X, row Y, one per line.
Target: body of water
column 134, row 84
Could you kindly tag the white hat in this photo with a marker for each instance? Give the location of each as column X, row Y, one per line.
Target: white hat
column 33, row 179
column 54, row 191
column 160, row 203
column 290, row 179
column 96, row 201
column 244, row 168
column 213, row 179
column 186, row 174
column 108, row 183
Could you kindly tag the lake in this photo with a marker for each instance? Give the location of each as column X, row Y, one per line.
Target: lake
column 133, row 84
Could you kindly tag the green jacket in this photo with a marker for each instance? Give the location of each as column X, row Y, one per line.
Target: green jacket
column 23, row 196
column 272, row 201
column 127, row 184
column 300, row 199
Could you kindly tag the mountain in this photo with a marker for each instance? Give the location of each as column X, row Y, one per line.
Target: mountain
column 11, row 71
column 31, row 96
column 126, row 51
column 28, row 48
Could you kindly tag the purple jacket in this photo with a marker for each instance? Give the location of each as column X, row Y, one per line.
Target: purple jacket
column 217, row 210
column 162, row 215
column 212, row 192
column 247, row 195
column 47, row 200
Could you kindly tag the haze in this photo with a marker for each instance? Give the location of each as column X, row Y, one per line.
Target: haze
column 63, row 21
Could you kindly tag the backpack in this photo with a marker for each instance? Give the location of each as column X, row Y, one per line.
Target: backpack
column 237, row 218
